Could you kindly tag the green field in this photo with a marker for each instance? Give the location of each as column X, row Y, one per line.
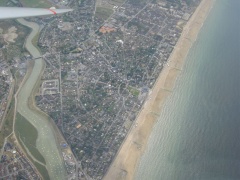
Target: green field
column 103, row 12
column 3, row 2
column 8, row 124
column 27, row 133
column 43, row 171
column 118, row 1
column 135, row 92
column 36, row 3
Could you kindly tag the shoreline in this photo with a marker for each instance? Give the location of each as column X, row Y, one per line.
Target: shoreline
column 127, row 159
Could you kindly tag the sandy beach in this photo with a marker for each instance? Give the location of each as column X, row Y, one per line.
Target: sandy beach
column 126, row 162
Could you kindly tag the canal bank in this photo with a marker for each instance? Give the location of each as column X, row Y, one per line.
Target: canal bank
column 45, row 141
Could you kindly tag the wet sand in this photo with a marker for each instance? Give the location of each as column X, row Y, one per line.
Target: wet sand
column 126, row 161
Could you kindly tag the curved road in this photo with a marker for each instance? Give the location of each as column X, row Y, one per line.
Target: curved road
column 46, row 142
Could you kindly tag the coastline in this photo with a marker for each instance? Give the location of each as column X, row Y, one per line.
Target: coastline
column 125, row 164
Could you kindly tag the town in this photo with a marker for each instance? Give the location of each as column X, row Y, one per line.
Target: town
column 106, row 66
column 14, row 164
column 102, row 60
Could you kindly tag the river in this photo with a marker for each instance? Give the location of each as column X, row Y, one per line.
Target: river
column 46, row 141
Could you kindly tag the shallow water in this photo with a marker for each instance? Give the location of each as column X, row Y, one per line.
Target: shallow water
column 197, row 134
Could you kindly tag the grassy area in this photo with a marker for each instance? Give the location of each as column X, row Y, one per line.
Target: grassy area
column 103, row 12
column 43, row 171
column 28, row 134
column 35, row 41
column 36, row 3
column 118, row 1
column 137, row 2
column 3, row 2
column 133, row 91
column 22, row 31
column 14, row 48
column 8, row 125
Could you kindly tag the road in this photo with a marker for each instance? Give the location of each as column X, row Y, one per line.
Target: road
column 46, row 141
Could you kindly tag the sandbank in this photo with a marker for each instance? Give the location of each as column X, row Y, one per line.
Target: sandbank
column 125, row 163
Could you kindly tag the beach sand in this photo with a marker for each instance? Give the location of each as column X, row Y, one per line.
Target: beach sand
column 127, row 159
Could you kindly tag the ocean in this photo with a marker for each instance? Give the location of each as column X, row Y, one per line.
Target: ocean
column 197, row 136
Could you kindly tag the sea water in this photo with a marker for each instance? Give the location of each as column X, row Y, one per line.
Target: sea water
column 197, row 136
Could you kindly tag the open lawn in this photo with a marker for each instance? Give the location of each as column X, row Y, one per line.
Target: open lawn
column 36, row 3
column 26, row 133
column 3, row 2
column 43, row 171
column 133, row 91
column 118, row 1
column 8, row 125
column 103, row 12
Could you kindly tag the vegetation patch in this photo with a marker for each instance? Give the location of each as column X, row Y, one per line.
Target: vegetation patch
column 35, row 41
column 27, row 133
column 8, row 124
column 118, row 1
column 138, row 2
column 3, row 2
column 36, row 3
column 14, row 49
column 43, row 171
column 103, row 12
column 135, row 92
column 141, row 27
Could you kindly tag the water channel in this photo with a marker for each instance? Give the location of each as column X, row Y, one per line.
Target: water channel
column 46, row 140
